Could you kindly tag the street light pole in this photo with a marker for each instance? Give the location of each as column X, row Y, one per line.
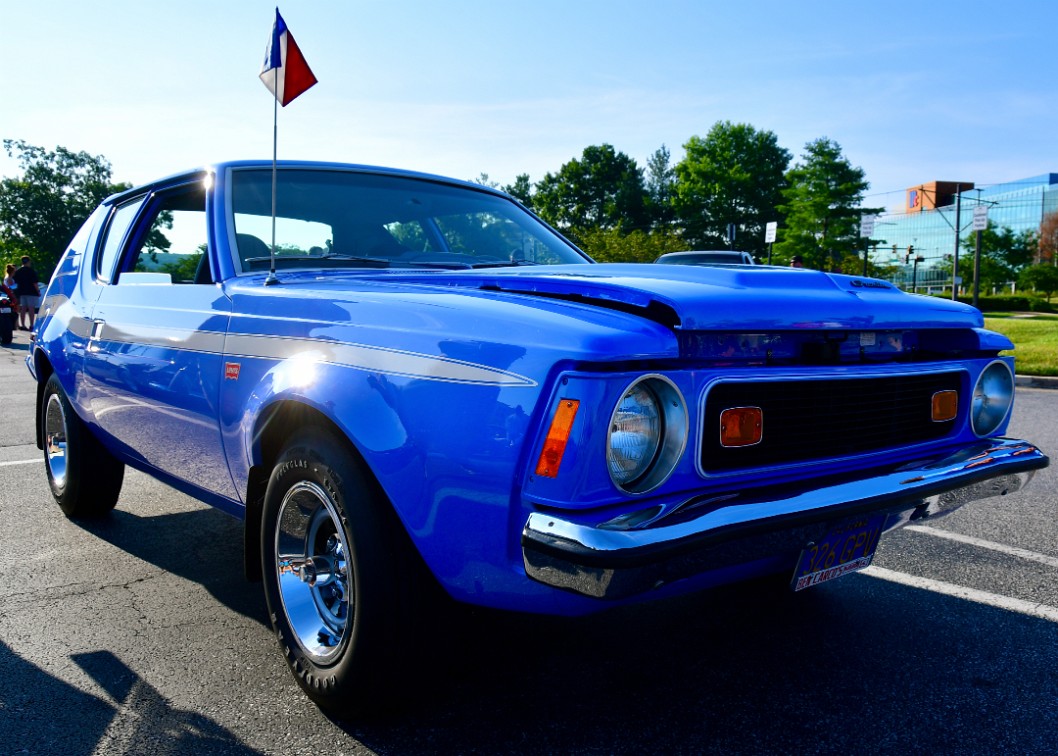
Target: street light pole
column 955, row 260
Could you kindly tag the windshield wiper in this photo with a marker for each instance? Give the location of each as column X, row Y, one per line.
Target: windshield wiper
column 375, row 262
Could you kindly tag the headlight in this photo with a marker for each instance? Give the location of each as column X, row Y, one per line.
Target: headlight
column 993, row 395
column 648, row 433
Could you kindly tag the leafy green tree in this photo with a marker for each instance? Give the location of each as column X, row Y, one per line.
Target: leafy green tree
column 42, row 209
column 661, row 189
column 822, row 210
column 612, row 245
column 521, row 189
column 1042, row 278
column 484, row 180
column 603, row 189
column 1003, row 254
column 735, row 174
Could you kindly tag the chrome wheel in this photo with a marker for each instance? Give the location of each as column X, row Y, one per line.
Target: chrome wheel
column 313, row 571
column 55, row 441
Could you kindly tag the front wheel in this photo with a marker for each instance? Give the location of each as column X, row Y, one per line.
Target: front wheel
column 84, row 477
column 335, row 580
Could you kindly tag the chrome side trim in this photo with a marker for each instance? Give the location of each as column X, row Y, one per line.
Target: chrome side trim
column 374, row 359
column 605, row 562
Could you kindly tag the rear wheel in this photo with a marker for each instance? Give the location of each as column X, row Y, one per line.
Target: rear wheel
column 84, row 477
column 336, row 576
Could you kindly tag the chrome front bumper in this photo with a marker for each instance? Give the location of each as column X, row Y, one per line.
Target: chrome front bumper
column 747, row 526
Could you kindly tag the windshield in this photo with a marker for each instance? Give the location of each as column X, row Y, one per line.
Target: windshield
column 336, row 218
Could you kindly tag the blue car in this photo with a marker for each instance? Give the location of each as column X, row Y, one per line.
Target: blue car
column 399, row 381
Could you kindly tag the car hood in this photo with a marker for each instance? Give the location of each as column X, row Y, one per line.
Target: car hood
column 739, row 298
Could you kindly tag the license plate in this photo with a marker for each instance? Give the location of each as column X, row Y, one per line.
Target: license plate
column 848, row 547
column 5, row 310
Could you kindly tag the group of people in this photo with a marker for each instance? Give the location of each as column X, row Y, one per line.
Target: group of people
column 22, row 286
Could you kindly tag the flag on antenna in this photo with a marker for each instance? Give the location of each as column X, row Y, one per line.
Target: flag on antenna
column 285, row 72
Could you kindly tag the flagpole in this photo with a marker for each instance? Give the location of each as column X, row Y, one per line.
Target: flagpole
column 272, row 279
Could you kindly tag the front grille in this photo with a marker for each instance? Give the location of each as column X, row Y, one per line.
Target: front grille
column 823, row 419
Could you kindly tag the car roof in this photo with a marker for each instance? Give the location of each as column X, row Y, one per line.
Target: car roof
column 216, row 168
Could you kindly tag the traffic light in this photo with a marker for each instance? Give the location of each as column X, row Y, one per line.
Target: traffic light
column 910, row 251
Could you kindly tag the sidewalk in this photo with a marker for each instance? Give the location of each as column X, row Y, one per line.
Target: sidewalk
column 1036, row 381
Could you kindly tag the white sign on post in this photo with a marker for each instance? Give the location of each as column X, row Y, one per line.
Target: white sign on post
column 867, row 226
column 980, row 218
column 769, row 231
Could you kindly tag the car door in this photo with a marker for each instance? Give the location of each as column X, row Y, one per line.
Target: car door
column 154, row 361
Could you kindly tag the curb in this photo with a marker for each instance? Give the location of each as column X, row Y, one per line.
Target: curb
column 1036, row 381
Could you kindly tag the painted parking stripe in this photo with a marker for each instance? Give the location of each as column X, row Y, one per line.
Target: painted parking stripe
column 1033, row 556
column 20, row 462
column 1041, row 611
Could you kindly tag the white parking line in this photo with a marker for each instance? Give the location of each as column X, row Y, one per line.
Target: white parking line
column 1042, row 611
column 20, row 462
column 990, row 545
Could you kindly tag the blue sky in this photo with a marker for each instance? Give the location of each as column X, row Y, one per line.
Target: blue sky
column 913, row 92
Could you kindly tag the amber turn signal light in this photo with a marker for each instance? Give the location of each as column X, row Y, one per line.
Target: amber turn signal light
column 557, row 436
column 741, row 426
column 945, row 406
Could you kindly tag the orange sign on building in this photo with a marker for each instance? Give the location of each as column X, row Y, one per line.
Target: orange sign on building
column 935, row 194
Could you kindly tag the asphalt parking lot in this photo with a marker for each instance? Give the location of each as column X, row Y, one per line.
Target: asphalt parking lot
column 138, row 634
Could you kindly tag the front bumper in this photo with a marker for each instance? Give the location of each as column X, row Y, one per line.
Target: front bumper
column 747, row 526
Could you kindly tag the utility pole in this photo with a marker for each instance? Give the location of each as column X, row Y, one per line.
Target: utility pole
column 979, row 225
column 955, row 260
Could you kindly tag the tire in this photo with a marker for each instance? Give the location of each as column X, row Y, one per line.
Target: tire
column 85, row 478
column 338, row 578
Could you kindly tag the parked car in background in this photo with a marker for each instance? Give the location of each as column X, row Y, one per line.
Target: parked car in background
column 707, row 257
column 418, row 383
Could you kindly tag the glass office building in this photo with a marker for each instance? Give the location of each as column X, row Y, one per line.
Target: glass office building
column 933, row 211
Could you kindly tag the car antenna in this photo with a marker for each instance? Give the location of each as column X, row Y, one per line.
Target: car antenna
column 272, row 278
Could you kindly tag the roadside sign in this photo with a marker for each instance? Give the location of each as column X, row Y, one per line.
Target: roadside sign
column 867, row 226
column 769, row 231
column 980, row 218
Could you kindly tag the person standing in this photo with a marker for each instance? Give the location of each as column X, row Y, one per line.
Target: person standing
column 28, row 293
column 10, row 285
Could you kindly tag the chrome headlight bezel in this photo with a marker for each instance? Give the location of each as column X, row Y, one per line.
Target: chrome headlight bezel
column 992, row 399
column 662, row 447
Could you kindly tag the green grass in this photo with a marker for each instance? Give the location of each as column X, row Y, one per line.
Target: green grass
column 1036, row 337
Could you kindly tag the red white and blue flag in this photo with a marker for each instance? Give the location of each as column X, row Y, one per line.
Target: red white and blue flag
column 285, row 72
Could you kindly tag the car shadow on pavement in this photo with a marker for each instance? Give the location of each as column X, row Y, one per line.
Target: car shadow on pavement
column 202, row 545
column 861, row 665
column 40, row 713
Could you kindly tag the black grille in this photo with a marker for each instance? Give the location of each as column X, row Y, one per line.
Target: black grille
column 821, row 419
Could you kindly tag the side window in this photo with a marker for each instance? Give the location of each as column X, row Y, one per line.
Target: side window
column 120, row 220
column 172, row 239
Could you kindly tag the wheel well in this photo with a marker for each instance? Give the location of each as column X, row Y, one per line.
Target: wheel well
column 273, row 429
column 44, row 369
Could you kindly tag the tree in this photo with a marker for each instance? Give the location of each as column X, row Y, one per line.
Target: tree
column 612, row 245
column 734, row 175
column 661, row 189
column 1003, row 254
column 1048, row 247
column 822, row 209
column 41, row 210
column 603, row 189
column 521, row 189
column 1041, row 278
